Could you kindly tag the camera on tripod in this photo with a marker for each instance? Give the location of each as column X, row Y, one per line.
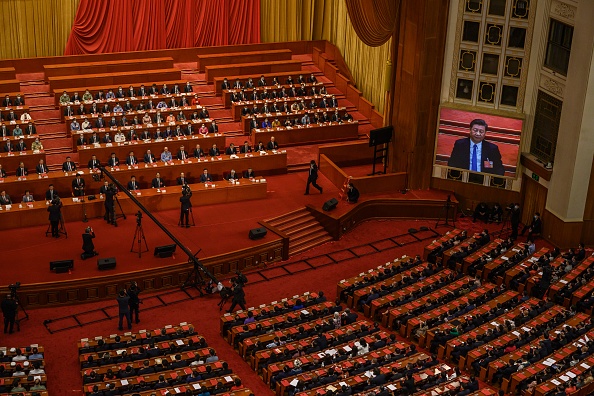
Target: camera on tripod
column 13, row 288
column 139, row 218
column 186, row 190
column 56, row 201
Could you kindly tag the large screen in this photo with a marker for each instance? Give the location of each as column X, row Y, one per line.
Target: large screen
column 478, row 142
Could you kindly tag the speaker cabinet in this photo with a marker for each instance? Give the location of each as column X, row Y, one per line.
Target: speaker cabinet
column 257, row 233
column 106, row 263
column 330, row 204
column 61, row 266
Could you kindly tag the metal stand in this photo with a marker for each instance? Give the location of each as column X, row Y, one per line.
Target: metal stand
column 195, row 278
column 17, row 320
column 117, row 216
column 138, row 239
column 384, row 156
column 179, row 223
column 61, row 228
column 446, row 215
column 84, row 209
column 505, row 224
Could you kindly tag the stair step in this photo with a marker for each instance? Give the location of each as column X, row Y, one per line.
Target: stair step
column 298, row 225
column 272, row 219
column 297, row 168
column 299, row 249
column 307, row 238
column 304, row 231
column 305, row 244
column 286, row 218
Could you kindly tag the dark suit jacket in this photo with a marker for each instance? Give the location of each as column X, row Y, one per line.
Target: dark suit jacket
column 204, row 179
column 65, row 166
column 181, row 182
column 272, row 145
column 214, row 152
column 22, row 171
column 157, row 184
column 460, row 157
column 248, row 174
column 147, row 158
column 132, row 187
column 75, row 185
column 93, row 164
column 48, row 195
column 41, row 168
column 131, row 161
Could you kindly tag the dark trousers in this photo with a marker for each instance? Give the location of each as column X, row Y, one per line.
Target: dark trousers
column 54, row 224
column 109, row 212
column 134, row 309
column 314, row 183
column 128, row 319
column 184, row 214
column 9, row 323
column 514, row 227
column 241, row 304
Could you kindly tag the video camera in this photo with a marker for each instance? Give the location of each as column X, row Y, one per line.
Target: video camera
column 13, row 288
column 186, row 190
column 56, row 201
column 88, row 230
column 138, row 218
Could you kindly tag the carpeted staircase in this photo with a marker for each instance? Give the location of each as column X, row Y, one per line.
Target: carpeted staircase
column 304, row 231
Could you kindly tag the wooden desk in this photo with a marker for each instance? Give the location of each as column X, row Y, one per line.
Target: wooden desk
column 18, row 110
column 10, row 161
column 256, row 68
column 522, row 265
column 245, row 120
column 281, row 76
column 578, row 271
column 133, row 77
column 490, row 266
column 10, row 85
column 114, row 66
column 307, row 135
column 105, row 88
column 7, row 73
column 168, row 198
column 472, row 258
column 437, row 242
column 139, row 147
column 243, row 57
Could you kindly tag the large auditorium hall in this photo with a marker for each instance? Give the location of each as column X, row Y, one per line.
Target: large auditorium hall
column 297, row 197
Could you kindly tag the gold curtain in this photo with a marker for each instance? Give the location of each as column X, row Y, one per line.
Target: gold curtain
column 292, row 20
column 33, row 28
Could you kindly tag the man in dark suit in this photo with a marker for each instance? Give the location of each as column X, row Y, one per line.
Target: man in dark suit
column 131, row 159
column 198, row 152
column 249, row 174
column 475, row 153
column 4, row 131
column 214, row 151
column 272, row 144
column 232, row 175
column 68, row 165
column 182, row 180
column 246, row 148
column 149, row 157
column 78, row 186
column 41, row 168
column 231, row 149
column 185, row 208
column 51, row 193
column 313, row 177
column 158, row 181
column 182, row 154
column 21, row 170
column 21, row 146
column 205, row 176
column 55, row 214
column 535, row 226
column 9, row 146
column 132, row 184
column 113, row 160
column 30, row 129
column 93, row 162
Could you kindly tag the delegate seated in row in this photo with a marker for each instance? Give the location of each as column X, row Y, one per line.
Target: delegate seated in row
column 16, row 131
column 132, row 134
column 10, row 146
column 262, row 82
column 242, row 96
column 120, row 93
column 94, row 109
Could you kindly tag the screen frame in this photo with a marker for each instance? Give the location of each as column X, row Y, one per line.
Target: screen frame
column 479, row 111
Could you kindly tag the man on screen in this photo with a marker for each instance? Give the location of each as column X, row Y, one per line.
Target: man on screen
column 476, row 154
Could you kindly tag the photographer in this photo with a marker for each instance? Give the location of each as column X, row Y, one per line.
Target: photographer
column 9, row 311
column 134, row 303
column 88, row 247
column 186, row 205
column 55, row 214
column 110, row 193
column 514, row 214
column 238, row 295
column 123, row 309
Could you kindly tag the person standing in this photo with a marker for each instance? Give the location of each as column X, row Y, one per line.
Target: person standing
column 186, row 205
column 313, row 177
column 9, row 310
column 123, row 309
column 514, row 219
column 238, row 296
column 55, row 214
column 134, row 303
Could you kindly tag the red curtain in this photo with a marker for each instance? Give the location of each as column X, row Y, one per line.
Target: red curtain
column 122, row 25
column 373, row 20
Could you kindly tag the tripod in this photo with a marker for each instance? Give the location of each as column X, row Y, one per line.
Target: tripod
column 505, row 224
column 445, row 214
column 180, row 224
column 18, row 320
column 139, row 238
column 195, row 278
column 117, row 216
column 61, row 228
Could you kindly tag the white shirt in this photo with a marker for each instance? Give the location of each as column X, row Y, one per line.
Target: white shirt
column 119, row 137
column 479, row 148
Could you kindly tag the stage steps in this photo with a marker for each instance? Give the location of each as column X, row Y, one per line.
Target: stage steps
column 304, row 231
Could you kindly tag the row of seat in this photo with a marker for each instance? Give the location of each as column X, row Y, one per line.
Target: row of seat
column 22, row 369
